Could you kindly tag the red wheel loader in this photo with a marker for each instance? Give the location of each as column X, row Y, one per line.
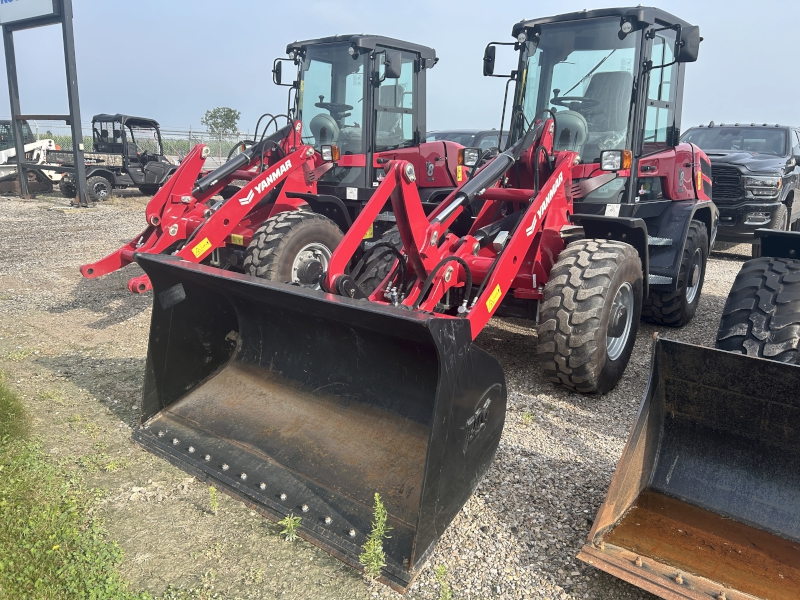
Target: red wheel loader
column 308, row 402
column 705, row 502
column 356, row 102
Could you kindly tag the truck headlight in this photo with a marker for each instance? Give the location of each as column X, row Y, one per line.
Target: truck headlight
column 763, row 186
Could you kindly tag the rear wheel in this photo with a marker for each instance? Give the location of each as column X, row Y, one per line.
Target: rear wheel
column 676, row 309
column 762, row 313
column 68, row 189
column 293, row 247
column 780, row 222
column 98, row 188
column 590, row 315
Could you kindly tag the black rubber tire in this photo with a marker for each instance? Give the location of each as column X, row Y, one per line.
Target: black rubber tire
column 68, row 190
column 94, row 187
column 149, row 190
column 673, row 309
column 762, row 313
column 576, row 310
column 378, row 268
column 277, row 242
column 780, row 222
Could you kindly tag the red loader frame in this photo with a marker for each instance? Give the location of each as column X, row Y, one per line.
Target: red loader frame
column 522, row 264
column 180, row 220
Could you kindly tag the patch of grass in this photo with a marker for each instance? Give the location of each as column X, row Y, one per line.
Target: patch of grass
column 527, row 418
column 21, row 354
column 49, row 546
column 373, row 558
column 445, row 590
column 213, row 502
column 290, row 524
column 205, row 592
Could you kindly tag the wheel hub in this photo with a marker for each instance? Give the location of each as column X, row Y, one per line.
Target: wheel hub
column 694, row 277
column 620, row 321
column 310, row 265
column 695, row 272
column 309, row 272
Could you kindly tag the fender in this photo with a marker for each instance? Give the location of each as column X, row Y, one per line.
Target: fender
column 110, row 175
column 779, row 244
column 328, row 206
column 630, row 230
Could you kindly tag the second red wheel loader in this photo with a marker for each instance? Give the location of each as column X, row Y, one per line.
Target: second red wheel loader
column 357, row 102
column 308, row 402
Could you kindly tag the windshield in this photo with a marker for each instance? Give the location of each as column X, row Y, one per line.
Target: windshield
column 465, row 138
column 145, row 139
column 757, row 140
column 585, row 73
column 330, row 101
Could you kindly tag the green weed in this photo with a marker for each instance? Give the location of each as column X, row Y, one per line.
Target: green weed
column 213, row 502
column 527, row 418
column 373, row 558
column 290, row 524
column 445, row 590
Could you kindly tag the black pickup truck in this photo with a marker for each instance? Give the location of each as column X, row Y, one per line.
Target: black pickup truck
column 755, row 174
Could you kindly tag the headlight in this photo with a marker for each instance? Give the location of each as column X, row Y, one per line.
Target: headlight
column 468, row 157
column 767, row 182
column 522, row 37
column 329, row 153
column 615, row 160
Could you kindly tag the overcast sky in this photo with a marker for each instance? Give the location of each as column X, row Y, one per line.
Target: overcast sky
column 174, row 59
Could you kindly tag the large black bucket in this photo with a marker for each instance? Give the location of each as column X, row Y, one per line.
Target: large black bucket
column 705, row 502
column 302, row 402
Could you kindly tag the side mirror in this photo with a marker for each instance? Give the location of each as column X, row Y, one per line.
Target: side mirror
column 488, row 60
column 393, row 64
column 688, row 44
column 276, row 72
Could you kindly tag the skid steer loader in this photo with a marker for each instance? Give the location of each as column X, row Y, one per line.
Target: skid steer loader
column 308, row 402
column 356, row 102
column 705, row 502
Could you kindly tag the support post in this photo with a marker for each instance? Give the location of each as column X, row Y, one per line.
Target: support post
column 74, row 104
column 16, row 124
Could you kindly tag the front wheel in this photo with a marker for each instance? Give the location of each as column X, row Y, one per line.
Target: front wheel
column 676, row 309
column 68, row 189
column 590, row 315
column 293, row 247
column 98, row 188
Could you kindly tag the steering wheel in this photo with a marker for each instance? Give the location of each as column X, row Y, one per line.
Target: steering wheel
column 143, row 156
column 336, row 109
column 576, row 103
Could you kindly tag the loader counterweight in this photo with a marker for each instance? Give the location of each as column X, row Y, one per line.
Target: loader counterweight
column 301, row 399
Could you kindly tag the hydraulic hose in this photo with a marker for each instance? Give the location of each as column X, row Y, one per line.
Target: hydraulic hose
column 435, row 270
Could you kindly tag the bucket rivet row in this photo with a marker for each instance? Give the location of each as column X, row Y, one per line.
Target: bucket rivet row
column 191, row 449
column 352, row 533
column 175, row 441
column 283, row 496
column 243, row 476
column 328, row 520
column 305, row 507
column 207, row 457
column 225, row 467
column 160, row 434
column 263, row 486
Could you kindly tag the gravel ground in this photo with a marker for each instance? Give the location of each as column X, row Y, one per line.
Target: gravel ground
column 75, row 348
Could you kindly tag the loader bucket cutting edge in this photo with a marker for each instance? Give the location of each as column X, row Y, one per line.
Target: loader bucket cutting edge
column 302, row 402
column 705, row 501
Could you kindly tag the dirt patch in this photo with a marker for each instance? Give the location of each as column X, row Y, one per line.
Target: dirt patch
column 75, row 350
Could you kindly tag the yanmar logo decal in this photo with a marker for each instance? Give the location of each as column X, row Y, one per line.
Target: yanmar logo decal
column 543, row 208
column 261, row 186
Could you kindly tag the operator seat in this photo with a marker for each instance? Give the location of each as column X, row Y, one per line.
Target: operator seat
column 324, row 129
column 572, row 131
column 608, row 124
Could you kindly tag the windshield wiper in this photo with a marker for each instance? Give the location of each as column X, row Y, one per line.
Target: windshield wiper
column 589, row 74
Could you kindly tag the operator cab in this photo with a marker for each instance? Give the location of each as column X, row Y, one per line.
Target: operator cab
column 613, row 80
column 362, row 94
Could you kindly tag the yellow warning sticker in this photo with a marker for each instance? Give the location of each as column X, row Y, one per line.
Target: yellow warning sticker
column 490, row 303
column 370, row 232
column 237, row 239
column 201, row 248
column 459, row 173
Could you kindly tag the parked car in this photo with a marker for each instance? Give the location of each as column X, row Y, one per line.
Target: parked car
column 484, row 139
column 755, row 176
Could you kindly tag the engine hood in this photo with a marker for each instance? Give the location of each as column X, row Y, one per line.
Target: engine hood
column 756, row 163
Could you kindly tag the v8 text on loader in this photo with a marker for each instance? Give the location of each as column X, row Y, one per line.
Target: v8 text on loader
column 311, row 401
column 357, row 102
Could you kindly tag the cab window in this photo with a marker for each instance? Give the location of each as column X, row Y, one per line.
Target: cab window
column 659, row 129
column 395, row 121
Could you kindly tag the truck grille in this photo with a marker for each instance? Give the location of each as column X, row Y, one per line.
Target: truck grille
column 727, row 184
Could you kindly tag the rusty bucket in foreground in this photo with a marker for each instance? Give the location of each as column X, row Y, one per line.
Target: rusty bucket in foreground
column 296, row 401
column 705, row 502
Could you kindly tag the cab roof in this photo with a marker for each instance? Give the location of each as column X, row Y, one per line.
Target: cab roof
column 645, row 14
column 127, row 120
column 368, row 42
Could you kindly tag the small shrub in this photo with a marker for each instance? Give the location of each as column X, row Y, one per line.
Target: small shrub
column 445, row 591
column 290, row 524
column 527, row 418
column 373, row 559
column 212, row 499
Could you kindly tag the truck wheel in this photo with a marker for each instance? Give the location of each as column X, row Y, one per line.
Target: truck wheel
column 590, row 315
column 98, row 188
column 676, row 309
column 780, row 222
column 293, row 247
column 68, row 189
column 762, row 313
column 380, row 263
